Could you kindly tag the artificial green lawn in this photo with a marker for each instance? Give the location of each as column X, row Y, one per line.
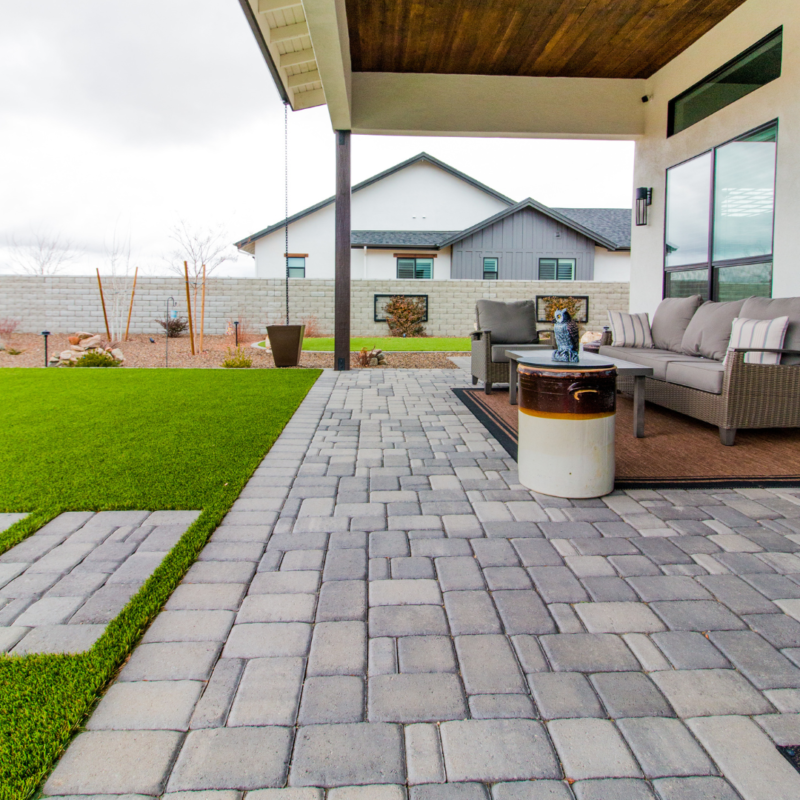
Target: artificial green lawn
column 118, row 439
column 390, row 343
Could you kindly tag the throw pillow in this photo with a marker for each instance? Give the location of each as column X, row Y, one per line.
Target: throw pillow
column 771, row 307
column 671, row 319
column 630, row 330
column 768, row 333
column 709, row 330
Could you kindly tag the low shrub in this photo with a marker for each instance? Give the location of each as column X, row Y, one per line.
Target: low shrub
column 14, row 352
column 313, row 330
column 404, row 316
column 96, row 358
column 365, row 356
column 7, row 328
column 238, row 358
column 174, row 327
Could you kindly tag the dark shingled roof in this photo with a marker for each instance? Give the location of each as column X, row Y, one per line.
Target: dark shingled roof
column 613, row 223
column 398, row 238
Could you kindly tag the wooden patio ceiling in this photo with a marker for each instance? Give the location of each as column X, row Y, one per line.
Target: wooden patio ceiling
column 547, row 38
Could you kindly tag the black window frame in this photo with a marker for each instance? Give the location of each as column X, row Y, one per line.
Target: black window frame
column 290, row 267
column 711, row 264
column 778, row 32
column 491, row 275
column 416, row 275
column 555, row 274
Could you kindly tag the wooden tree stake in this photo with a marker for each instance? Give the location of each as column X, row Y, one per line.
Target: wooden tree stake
column 203, row 309
column 188, row 305
column 103, row 301
column 130, row 309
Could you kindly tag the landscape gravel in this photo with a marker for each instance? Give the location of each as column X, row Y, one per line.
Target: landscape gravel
column 139, row 351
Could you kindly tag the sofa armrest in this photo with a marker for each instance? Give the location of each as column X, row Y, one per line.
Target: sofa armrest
column 476, row 335
column 782, row 351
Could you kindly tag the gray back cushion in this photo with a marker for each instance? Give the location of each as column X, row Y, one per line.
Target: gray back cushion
column 709, row 330
column 769, row 308
column 670, row 321
column 510, row 323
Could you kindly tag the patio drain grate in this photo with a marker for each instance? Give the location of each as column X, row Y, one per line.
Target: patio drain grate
column 791, row 753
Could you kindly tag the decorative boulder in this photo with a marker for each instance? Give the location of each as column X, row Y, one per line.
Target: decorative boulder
column 90, row 343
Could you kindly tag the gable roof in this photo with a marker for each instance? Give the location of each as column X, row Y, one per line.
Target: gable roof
column 420, row 158
column 613, row 223
column 529, row 202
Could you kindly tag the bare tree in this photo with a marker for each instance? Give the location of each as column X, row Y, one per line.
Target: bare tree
column 43, row 253
column 118, row 282
column 198, row 246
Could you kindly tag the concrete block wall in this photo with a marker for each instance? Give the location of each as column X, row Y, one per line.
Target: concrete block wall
column 63, row 304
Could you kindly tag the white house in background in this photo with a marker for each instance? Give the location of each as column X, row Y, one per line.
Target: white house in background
column 423, row 219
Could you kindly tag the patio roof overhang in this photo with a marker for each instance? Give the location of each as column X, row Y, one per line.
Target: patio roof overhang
column 541, row 68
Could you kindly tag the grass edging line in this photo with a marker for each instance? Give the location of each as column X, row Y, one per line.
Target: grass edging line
column 45, row 698
column 24, row 528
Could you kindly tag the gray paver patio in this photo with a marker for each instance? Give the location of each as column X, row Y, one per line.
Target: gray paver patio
column 387, row 613
column 60, row 587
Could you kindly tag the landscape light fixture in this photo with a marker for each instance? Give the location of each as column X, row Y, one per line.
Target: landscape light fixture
column 236, row 331
column 45, row 334
column 644, row 198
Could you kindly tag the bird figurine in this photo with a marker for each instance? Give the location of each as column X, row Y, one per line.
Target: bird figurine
column 567, row 336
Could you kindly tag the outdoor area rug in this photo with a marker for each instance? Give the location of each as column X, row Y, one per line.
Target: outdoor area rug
column 676, row 451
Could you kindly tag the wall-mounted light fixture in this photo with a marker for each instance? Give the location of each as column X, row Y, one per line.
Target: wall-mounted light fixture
column 644, row 197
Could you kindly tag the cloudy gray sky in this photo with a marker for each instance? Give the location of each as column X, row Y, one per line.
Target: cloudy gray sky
column 127, row 116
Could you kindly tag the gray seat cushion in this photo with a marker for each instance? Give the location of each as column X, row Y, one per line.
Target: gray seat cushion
column 709, row 330
column 670, row 321
column 769, row 308
column 498, row 350
column 513, row 322
column 647, row 357
column 703, row 374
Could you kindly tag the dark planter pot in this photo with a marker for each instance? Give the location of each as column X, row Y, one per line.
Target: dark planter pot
column 286, row 342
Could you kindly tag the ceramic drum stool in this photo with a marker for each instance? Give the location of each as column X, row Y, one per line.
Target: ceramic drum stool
column 566, row 427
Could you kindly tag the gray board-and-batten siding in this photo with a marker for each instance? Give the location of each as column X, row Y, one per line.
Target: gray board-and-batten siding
column 518, row 242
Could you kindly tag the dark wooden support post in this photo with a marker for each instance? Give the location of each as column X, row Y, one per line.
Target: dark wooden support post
column 341, row 352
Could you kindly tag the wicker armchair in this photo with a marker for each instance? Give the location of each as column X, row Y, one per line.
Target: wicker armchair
column 753, row 395
column 489, row 363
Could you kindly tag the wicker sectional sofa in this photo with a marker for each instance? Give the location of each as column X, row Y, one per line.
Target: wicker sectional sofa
column 692, row 376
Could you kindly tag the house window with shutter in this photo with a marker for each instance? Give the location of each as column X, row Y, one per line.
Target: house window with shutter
column 414, row 269
column 490, row 269
column 556, row 269
column 297, row 266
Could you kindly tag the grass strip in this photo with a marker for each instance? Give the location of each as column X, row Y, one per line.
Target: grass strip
column 392, row 344
column 45, row 698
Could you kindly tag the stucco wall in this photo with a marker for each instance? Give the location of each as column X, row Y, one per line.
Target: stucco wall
column 612, row 267
column 777, row 100
column 420, row 197
column 382, row 264
column 66, row 304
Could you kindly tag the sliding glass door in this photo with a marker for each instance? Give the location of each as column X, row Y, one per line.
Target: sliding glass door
column 719, row 223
